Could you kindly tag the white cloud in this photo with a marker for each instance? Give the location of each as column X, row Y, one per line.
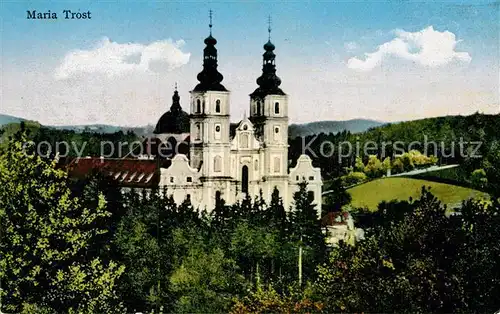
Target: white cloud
column 325, row 91
column 428, row 48
column 111, row 58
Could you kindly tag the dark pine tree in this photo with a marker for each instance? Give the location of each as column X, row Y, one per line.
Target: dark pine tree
column 306, row 230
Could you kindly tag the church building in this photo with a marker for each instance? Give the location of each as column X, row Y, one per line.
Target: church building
column 216, row 158
column 235, row 160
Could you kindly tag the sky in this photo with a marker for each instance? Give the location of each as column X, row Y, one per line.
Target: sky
column 381, row 60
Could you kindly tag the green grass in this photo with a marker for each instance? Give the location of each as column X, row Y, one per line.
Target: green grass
column 370, row 194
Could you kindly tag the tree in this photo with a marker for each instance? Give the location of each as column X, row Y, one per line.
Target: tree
column 420, row 261
column 353, row 178
column 206, row 282
column 479, row 179
column 275, row 213
column 397, row 165
column 337, row 197
column 46, row 234
column 267, row 300
column 306, row 229
column 359, row 166
column 251, row 246
column 386, row 165
column 373, row 168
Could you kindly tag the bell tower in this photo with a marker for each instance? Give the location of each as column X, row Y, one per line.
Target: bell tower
column 269, row 114
column 209, row 143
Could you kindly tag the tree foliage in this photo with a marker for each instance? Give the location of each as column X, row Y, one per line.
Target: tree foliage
column 46, row 235
column 418, row 261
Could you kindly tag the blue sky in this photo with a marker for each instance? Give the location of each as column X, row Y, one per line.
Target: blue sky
column 427, row 58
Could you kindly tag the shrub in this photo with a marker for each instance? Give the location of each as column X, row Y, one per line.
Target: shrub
column 353, row 178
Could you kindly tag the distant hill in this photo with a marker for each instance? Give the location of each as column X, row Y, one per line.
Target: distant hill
column 97, row 128
column 294, row 130
column 104, row 128
column 6, row 119
column 353, row 126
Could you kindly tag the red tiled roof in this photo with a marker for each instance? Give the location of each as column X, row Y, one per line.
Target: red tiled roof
column 126, row 172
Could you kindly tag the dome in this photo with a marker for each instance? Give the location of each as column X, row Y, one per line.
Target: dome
column 210, row 41
column 174, row 121
column 269, row 46
column 268, row 82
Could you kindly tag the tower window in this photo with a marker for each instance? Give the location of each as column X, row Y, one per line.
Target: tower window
column 276, row 133
column 217, row 133
column 217, row 164
column 245, row 127
column 311, row 178
column 171, row 179
column 277, row 108
column 197, row 132
column 258, row 108
column 198, row 106
column 189, row 179
column 217, row 106
column 256, row 165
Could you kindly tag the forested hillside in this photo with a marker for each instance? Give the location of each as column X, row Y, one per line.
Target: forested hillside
column 311, row 128
column 86, row 247
column 472, row 141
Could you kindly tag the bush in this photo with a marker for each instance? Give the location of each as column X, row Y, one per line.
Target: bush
column 353, row 178
column 374, row 167
column 479, row 179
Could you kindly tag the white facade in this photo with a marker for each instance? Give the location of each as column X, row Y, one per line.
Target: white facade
column 236, row 165
column 251, row 159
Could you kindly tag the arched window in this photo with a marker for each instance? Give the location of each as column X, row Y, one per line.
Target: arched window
column 217, row 106
column 198, row 106
column 277, row 164
column 244, row 179
column 277, row 108
column 197, row 132
column 203, row 106
column 258, row 108
column 217, row 164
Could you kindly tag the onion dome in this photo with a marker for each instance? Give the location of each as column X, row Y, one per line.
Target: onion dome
column 210, row 79
column 268, row 82
column 174, row 121
column 210, row 41
column 269, row 46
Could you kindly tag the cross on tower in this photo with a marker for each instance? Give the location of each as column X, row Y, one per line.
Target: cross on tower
column 210, row 25
column 269, row 26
